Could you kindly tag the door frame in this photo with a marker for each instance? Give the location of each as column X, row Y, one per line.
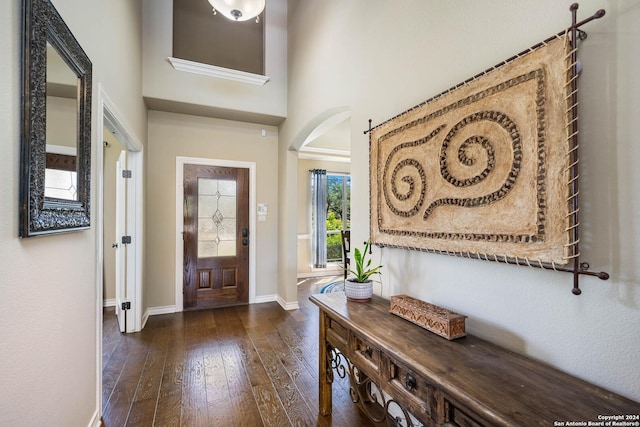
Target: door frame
column 180, row 162
column 108, row 115
column 112, row 119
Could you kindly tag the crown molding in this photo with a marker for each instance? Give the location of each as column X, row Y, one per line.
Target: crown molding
column 315, row 153
column 218, row 72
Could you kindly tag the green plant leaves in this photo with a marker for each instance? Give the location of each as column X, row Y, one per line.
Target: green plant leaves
column 363, row 270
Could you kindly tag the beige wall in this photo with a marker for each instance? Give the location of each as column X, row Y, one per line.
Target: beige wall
column 61, row 117
column 287, row 222
column 380, row 59
column 304, row 209
column 172, row 135
column 49, row 300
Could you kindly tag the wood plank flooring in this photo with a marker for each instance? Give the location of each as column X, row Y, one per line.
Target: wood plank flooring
column 254, row 365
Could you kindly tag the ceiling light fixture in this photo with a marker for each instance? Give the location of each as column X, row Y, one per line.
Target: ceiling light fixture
column 238, row 10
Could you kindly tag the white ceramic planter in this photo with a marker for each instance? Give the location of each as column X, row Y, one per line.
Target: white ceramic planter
column 359, row 292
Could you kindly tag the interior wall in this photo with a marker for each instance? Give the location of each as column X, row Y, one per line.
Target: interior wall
column 287, row 224
column 61, row 115
column 381, row 60
column 304, row 210
column 49, row 316
column 176, row 135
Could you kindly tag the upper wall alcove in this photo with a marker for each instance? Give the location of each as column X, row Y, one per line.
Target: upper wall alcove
column 168, row 89
column 202, row 37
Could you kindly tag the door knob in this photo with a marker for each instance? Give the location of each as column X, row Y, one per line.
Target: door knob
column 115, row 245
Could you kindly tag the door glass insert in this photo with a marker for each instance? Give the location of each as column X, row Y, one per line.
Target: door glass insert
column 60, row 184
column 216, row 218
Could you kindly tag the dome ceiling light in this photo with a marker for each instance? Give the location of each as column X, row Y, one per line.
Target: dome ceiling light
column 238, row 10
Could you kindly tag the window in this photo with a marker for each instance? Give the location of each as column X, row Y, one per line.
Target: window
column 330, row 195
column 338, row 213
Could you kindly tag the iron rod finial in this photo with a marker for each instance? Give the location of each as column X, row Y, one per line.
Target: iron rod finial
column 603, row 275
column 576, row 291
column 368, row 130
column 574, row 6
column 599, row 14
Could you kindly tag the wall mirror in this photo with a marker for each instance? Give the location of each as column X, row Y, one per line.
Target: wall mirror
column 55, row 181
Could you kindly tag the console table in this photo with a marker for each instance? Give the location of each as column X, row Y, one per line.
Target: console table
column 396, row 368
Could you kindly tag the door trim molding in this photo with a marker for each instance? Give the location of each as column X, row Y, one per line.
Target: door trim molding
column 114, row 121
column 107, row 115
column 180, row 162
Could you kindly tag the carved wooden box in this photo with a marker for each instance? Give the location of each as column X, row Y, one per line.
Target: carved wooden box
column 436, row 319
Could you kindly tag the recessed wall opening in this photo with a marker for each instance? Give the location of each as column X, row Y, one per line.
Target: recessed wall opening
column 201, row 36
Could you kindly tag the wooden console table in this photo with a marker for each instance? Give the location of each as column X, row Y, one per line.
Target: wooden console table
column 465, row 382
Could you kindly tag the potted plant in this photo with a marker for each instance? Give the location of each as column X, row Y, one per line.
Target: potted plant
column 359, row 287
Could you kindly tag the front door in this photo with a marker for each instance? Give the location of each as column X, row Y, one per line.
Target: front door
column 216, row 236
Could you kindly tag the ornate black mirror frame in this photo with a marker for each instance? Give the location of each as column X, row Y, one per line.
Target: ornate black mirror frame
column 40, row 214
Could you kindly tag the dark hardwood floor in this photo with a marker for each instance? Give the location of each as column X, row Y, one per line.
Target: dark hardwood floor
column 237, row 366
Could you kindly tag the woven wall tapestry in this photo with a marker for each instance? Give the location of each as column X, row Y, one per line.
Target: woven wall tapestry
column 482, row 168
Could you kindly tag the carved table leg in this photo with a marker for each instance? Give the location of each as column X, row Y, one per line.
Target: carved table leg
column 325, row 374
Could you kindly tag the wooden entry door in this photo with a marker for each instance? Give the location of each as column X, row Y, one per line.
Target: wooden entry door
column 216, row 236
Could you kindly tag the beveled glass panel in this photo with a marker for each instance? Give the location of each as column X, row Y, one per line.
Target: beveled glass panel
column 227, row 206
column 207, row 249
column 207, row 205
column 207, row 186
column 227, row 248
column 227, row 229
column 206, row 229
column 227, row 188
column 216, row 218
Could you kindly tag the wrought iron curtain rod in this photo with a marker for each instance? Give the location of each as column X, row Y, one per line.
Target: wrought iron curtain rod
column 575, row 188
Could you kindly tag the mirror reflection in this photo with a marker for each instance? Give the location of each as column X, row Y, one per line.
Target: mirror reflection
column 55, row 143
column 61, row 177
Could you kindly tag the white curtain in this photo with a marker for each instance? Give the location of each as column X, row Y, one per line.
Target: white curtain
column 319, row 217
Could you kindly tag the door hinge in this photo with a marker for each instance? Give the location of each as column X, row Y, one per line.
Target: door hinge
column 126, row 173
column 126, row 305
column 126, row 240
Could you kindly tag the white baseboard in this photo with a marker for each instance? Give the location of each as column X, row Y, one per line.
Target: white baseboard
column 167, row 309
column 145, row 317
column 293, row 305
column 96, row 420
column 154, row 311
column 324, row 272
column 109, row 302
column 265, row 298
column 170, row 309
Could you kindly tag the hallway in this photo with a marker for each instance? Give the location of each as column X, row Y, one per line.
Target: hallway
column 261, row 368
